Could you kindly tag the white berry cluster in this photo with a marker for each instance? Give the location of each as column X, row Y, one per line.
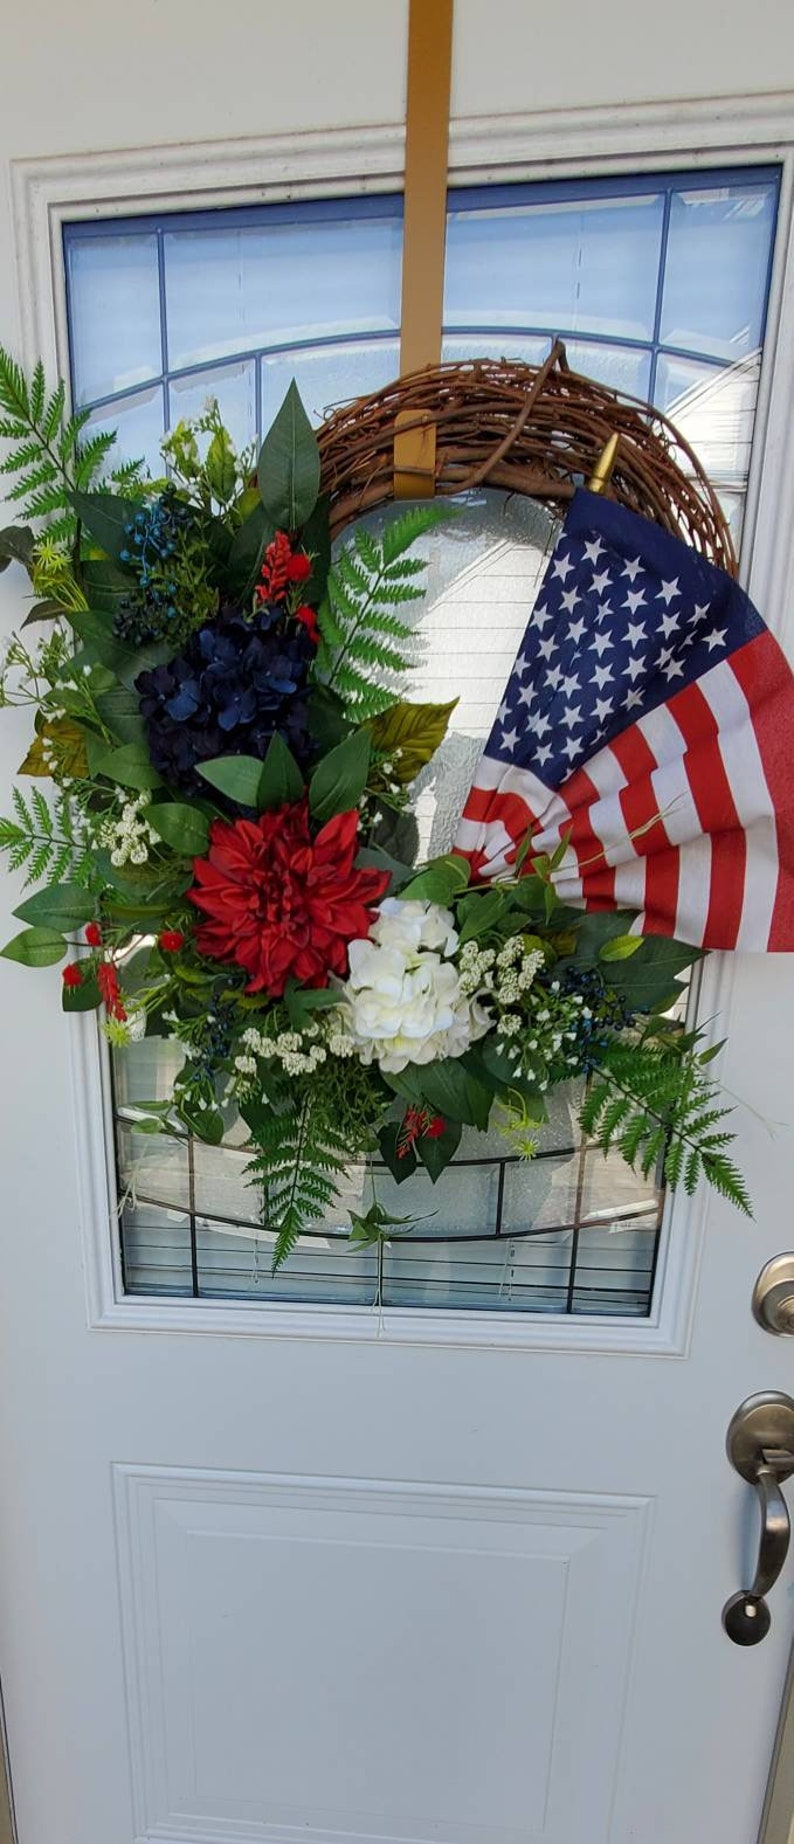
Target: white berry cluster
column 129, row 837
column 298, row 1052
column 507, row 975
column 550, row 1036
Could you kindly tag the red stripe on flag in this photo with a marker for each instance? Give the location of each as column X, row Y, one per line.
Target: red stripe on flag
column 598, row 877
column 711, row 792
column 479, row 804
column 766, row 680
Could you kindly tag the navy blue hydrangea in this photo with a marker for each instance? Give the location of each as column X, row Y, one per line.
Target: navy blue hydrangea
column 235, row 683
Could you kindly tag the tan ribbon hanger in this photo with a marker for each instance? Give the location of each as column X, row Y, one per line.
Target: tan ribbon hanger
column 424, row 233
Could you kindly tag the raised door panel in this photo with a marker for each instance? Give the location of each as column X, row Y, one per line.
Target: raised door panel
column 361, row 1661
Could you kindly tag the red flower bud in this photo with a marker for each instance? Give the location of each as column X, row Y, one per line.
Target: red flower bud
column 171, row 940
column 108, row 982
column 72, row 975
column 93, row 935
column 299, row 568
column 435, row 1127
column 308, row 619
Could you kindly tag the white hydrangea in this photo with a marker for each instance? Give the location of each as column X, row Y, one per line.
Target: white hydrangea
column 404, row 1002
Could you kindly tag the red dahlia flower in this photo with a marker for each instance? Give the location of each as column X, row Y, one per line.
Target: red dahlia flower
column 282, row 904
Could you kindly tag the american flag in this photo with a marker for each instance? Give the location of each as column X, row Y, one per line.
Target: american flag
column 649, row 716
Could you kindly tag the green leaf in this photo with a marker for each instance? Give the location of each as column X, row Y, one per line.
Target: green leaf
column 35, row 947
column 595, row 928
column 281, row 780
column 105, row 516
column 238, row 777
column 326, row 718
column 650, row 977
column 104, row 584
column 481, row 911
column 316, row 539
column 131, row 663
column 401, row 1164
column 64, row 907
column 205, row 1123
column 340, row 777
column 182, row 827
column 439, row 881
column 288, row 468
column 130, row 765
column 435, row 1154
column 410, row 734
column 220, row 466
column 247, row 551
column 48, row 610
column 16, row 546
column 372, row 857
column 83, row 998
column 303, row 1001
column 621, row 947
column 120, row 710
column 448, row 1088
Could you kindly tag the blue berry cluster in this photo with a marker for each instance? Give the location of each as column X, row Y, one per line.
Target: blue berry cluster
column 603, row 1015
column 234, row 684
column 155, row 543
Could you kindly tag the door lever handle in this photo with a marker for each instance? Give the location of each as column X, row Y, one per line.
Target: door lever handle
column 761, row 1448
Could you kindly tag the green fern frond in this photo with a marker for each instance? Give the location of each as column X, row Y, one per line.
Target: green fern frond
column 42, row 841
column 366, row 645
column 47, row 452
column 656, row 1102
column 299, row 1161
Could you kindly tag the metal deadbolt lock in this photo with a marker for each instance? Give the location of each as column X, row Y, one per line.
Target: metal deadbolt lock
column 773, row 1296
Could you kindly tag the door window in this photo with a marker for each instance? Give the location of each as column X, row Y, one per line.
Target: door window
column 659, row 286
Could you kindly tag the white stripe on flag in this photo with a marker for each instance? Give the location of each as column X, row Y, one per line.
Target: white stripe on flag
column 694, row 890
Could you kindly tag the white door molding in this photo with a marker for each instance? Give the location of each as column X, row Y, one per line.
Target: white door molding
column 47, row 192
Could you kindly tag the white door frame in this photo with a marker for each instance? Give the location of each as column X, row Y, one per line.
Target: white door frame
column 47, row 192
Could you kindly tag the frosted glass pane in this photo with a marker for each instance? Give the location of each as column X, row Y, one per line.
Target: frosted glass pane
column 716, row 269
column 330, row 376
column 541, row 1193
column 714, row 408
column 483, row 575
column 318, row 1270
column 146, row 1071
column 153, row 1168
column 235, row 290
column 623, row 368
column 504, row 1275
column 139, row 425
column 578, row 267
column 114, row 313
column 235, row 389
column 533, row 348
column 156, row 1251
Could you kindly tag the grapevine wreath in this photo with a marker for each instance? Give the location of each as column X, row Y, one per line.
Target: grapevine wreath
column 216, row 811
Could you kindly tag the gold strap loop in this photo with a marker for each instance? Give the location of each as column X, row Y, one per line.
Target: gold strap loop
column 426, row 159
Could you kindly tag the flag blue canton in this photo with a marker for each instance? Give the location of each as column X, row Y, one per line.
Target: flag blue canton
column 620, row 625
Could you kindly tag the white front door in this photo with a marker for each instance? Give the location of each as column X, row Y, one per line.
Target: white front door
column 373, row 1578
